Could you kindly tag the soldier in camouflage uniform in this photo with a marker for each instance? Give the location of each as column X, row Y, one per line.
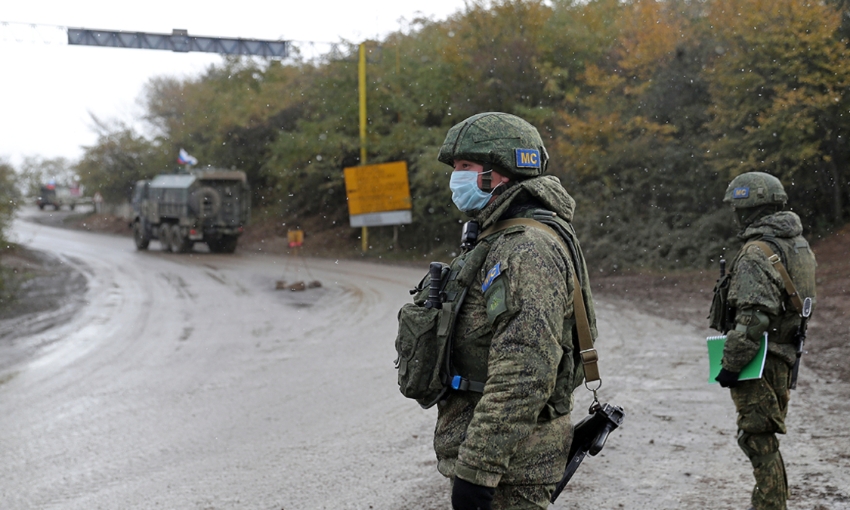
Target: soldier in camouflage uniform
column 757, row 295
column 506, row 447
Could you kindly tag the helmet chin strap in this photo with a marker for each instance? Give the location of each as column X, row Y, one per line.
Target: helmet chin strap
column 487, row 181
column 487, row 178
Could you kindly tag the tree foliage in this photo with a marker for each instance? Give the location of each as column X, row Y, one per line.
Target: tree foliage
column 9, row 200
column 9, row 197
column 648, row 109
column 118, row 159
column 35, row 172
column 780, row 99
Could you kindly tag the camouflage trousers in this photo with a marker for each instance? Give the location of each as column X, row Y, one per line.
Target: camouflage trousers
column 762, row 405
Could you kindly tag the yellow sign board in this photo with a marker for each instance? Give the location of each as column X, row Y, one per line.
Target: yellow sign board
column 295, row 238
column 377, row 188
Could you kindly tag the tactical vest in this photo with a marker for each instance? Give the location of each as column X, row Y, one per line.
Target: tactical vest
column 424, row 337
column 797, row 258
column 426, row 361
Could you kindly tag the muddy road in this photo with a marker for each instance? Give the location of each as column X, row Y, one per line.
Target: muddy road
column 188, row 381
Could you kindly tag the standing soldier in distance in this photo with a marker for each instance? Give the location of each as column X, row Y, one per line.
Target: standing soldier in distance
column 505, row 443
column 756, row 301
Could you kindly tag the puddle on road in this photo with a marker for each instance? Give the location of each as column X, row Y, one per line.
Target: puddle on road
column 302, row 299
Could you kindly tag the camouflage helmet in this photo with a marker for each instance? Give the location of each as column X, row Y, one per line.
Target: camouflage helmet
column 498, row 139
column 754, row 189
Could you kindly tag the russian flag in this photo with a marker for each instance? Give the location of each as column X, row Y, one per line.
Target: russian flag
column 185, row 159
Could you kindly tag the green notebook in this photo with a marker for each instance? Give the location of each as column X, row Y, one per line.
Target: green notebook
column 753, row 369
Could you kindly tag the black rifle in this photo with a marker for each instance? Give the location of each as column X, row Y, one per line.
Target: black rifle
column 435, row 273
column 800, row 339
column 728, row 311
column 724, row 319
column 589, row 437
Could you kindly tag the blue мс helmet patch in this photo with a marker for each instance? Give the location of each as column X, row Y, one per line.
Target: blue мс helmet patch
column 740, row 192
column 527, row 158
column 491, row 275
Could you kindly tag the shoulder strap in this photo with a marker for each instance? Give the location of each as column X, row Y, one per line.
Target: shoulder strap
column 786, row 278
column 589, row 356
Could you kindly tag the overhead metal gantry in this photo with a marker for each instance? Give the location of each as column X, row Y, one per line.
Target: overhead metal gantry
column 180, row 41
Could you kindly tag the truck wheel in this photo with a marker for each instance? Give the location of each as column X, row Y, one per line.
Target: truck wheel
column 228, row 244
column 165, row 237
column 179, row 242
column 140, row 236
column 215, row 246
column 224, row 244
column 72, row 206
column 41, row 206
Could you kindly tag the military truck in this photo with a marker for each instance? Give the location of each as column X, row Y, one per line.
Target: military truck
column 202, row 206
column 56, row 196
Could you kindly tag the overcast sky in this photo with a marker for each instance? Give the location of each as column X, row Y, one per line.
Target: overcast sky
column 48, row 88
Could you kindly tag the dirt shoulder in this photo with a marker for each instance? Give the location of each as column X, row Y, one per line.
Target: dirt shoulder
column 40, row 292
column 35, row 282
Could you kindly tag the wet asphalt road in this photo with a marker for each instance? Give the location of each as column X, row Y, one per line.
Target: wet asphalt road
column 188, row 382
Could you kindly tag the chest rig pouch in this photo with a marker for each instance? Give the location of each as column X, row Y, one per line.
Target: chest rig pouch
column 425, row 328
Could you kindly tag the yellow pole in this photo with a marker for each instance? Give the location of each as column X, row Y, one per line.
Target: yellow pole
column 362, row 89
column 397, row 72
column 361, row 82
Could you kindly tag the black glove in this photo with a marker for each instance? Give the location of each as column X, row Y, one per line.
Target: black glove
column 468, row 496
column 727, row 379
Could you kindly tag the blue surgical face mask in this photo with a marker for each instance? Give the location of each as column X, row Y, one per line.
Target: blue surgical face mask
column 466, row 194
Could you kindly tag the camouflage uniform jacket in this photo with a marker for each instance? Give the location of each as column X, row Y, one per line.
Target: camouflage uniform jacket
column 756, row 283
column 515, row 331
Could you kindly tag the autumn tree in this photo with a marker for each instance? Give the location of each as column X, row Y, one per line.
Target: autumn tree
column 630, row 132
column 9, row 201
column 780, row 102
column 36, row 171
column 9, row 198
column 843, row 7
column 643, row 105
column 231, row 115
column 118, row 159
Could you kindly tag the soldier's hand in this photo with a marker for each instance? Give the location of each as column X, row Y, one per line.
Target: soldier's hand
column 727, row 379
column 469, row 496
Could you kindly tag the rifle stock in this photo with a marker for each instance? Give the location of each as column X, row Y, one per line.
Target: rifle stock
column 589, row 436
column 800, row 339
